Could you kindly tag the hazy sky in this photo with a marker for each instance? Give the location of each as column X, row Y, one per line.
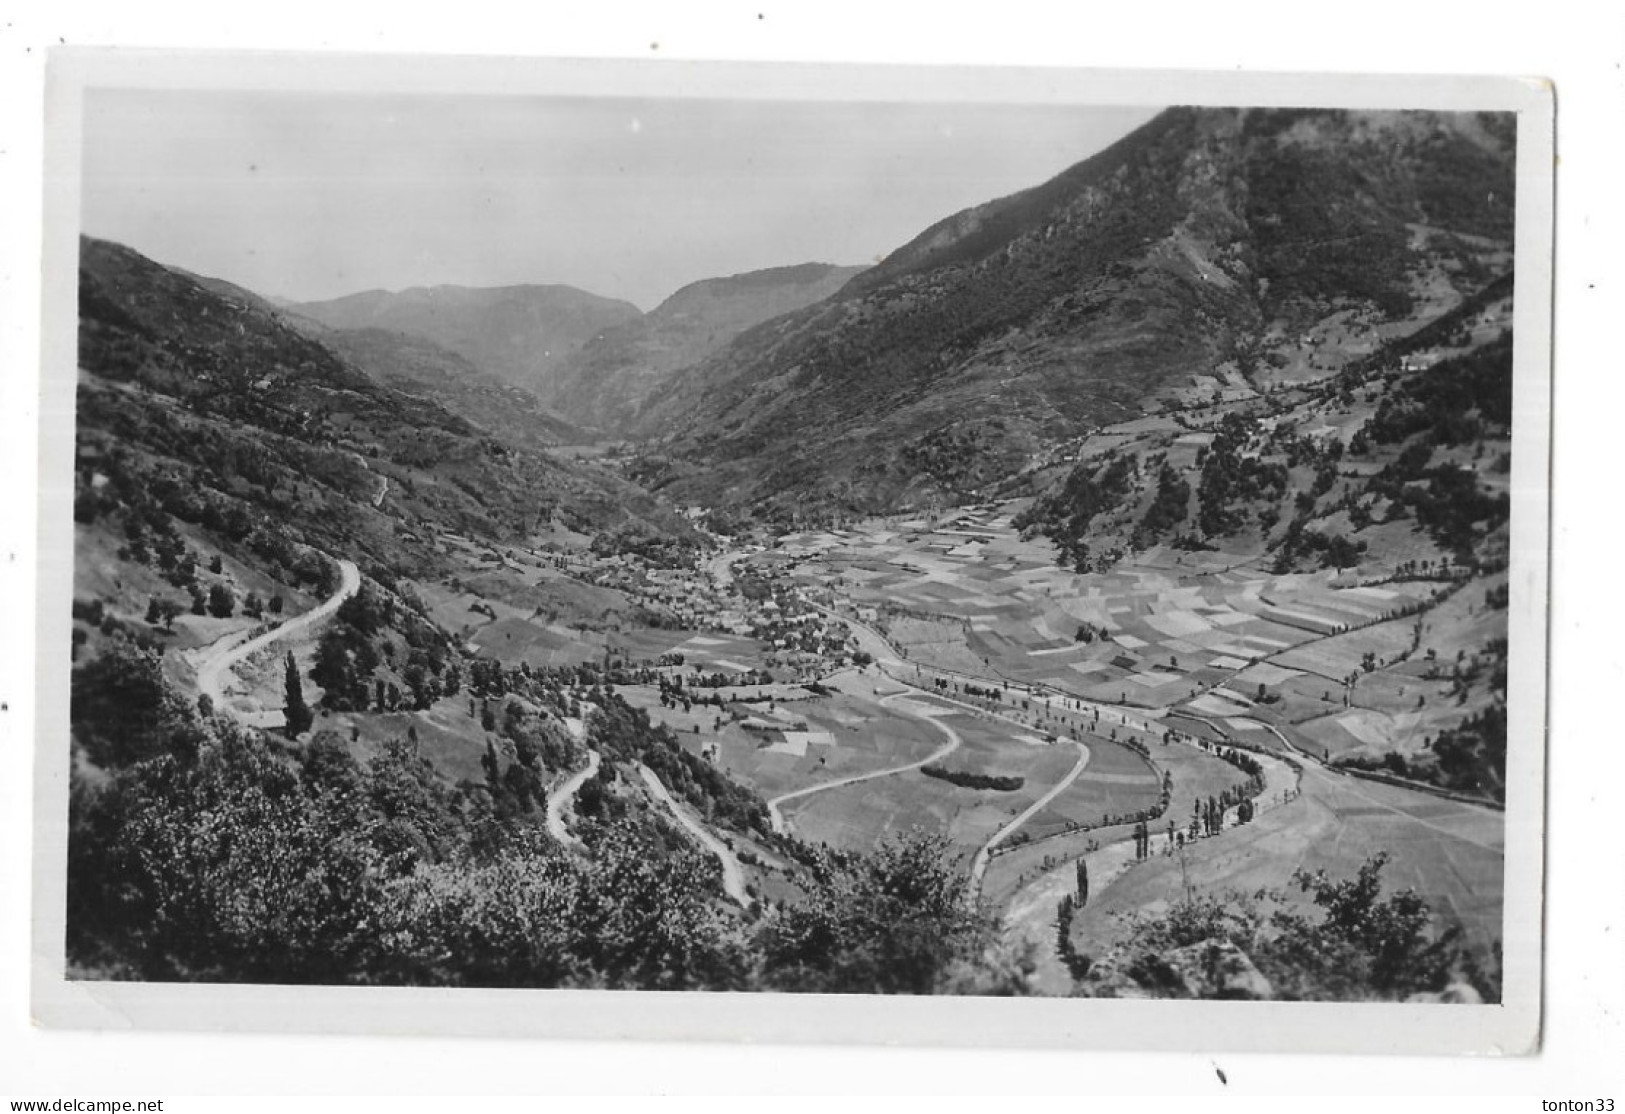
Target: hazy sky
column 316, row 196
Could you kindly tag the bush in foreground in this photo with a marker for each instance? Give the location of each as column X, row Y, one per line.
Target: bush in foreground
column 1361, row 946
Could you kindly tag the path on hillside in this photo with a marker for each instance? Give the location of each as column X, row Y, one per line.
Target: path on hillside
column 877, row 646
column 214, row 672
column 953, row 744
column 563, row 796
column 733, row 877
column 1032, row 910
column 978, row 866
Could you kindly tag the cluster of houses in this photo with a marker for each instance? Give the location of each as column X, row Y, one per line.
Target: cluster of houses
column 697, row 602
column 800, row 635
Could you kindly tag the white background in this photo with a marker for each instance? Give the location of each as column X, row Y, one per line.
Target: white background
column 1576, row 45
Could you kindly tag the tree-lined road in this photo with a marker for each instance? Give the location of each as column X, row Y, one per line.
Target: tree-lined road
column 891, row 663
column 214, row 672
column 1031, row 911
column 733, row 877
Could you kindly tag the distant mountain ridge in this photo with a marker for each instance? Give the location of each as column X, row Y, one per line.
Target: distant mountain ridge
column 605, row 382
column 201, row 396
column 518, row 333
column 590, row 360
column 422, row 367
column 419, row 366
column 1184, row 249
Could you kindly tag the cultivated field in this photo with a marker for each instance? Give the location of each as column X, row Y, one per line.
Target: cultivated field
column 1196, row 776
column 846, row 734
column 1449, row 853
column 1117, row 782
column 1200, row 633
column 856, row 816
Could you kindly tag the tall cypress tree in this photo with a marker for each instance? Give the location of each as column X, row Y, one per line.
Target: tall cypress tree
column 299, row 716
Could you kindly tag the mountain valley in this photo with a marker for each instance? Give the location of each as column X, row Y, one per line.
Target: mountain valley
column 924, row 628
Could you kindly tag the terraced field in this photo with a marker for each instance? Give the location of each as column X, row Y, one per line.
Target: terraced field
column 1117, row 782
column 972, row 597
column 1199, row 634
column 1450, row 853
column 853, row 733
column 1197, row 775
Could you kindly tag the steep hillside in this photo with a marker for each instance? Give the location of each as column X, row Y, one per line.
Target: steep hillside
column 1237, row 249
column 605, row 382
column 300, row 754
column 206, row 409
column 421, row 367
column 280, row 308
column 520, row 334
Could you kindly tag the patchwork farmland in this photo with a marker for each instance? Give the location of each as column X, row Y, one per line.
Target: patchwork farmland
column 1449, row 851
column 1206, row 649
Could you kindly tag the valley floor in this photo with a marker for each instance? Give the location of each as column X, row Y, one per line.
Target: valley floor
column 944, row 674
column 1201, row 649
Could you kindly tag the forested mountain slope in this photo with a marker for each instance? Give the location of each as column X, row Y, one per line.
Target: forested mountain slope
column 520, row 334
column 221, row 413
column 605, row 382
column 1209, row 243
column 421, row 367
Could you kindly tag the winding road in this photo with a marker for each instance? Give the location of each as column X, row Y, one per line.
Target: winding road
column 889, row 662
column 214, row 671
column 884, row 655
column 978, row 866
column 1031, row 912
column 777, row 818
column 561, row 798
column 733, row 876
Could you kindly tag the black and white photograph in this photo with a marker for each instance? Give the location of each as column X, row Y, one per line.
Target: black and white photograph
column 933, row 535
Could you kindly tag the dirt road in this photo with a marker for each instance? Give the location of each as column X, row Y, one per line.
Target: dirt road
column 733, row 877
column 777, row 817
column 891, row 663
column 214, row 672
column 1031, row 913
column 561, row 798
column 978, row 866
